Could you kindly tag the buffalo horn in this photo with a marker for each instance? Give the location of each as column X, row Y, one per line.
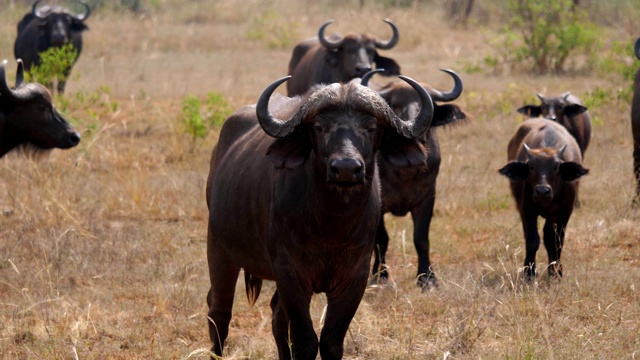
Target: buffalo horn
column 561, row 151
column 527, row 150
column 365, row 78
column 19, row 73
column 273, row 126
column 35, row 12
column 86, row 13
column 324, row 41
column 414, row 128
column 540, row 97
column 453, row 94
column 394, row 39
column 5, row 90
column 636, row 48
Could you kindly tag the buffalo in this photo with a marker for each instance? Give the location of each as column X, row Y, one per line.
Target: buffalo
column 413, row 189
column 48, row 27
column 568, row 111
column 28, row 119
column 635, row 125
column 296, row 200
column 543, row 170
column 339, row 59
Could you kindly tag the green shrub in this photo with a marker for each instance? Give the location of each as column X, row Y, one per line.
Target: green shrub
column 53, row 64
column 542, row 35
column 198, row 118
column 620, row 65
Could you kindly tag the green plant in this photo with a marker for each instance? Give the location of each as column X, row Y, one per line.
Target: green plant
column 273, row 31
column 542, row 35
column 198, row 121
column 615, row 62
column 54, row 63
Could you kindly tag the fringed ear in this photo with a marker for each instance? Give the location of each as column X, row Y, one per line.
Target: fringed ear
column 572, row 110
column 446, row 114
column 289, row 152
column 515, row 170
column 570, row 171
column 402, row 152
column 530, row 110
column 390, row 66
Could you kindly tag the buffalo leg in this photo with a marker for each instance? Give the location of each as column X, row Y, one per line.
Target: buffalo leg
column 636, row 170
column 532, row 244
column 340, row 312
column 223, row 276
column 421, row 223
column 379, row 273
column 553, row 242
column 292, row 325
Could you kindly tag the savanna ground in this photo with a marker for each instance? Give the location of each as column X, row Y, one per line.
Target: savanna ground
column 102, row 247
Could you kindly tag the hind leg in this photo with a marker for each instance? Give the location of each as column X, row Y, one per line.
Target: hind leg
column 379, row 273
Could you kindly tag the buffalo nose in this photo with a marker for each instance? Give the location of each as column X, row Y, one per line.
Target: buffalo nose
column 543, row 190
column 346, row 170
column 74, row 138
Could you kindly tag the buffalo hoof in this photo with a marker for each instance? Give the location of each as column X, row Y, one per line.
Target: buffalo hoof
column 380, row 278
column 427, row 282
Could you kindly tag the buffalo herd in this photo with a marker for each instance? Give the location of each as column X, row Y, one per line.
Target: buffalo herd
column 298, row 185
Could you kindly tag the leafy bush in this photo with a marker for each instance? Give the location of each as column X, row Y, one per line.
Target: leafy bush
column 620, row 64
column 198, row 118
column 54, row 62
column 542, row 35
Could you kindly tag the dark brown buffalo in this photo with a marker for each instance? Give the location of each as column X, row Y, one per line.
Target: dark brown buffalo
column 47, row 27
column 340, row 59
column 635, row 125
column 28, row 119
column 544, row 168
column 567, row 110
column 297, row 201
column 413, row 189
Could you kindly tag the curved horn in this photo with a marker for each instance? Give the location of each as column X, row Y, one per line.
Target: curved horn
column 394, row 39
column 540, row 97
column 273, row 126
column 527, row 149
column 566, row 95
column 5, row 90
column 19, row 73
column 34, row 10
column 365, row 78
column 636, row 48
column 561, row 151
column 453, row 94
column 413, row 128
column 86, row 13
column 323, row 40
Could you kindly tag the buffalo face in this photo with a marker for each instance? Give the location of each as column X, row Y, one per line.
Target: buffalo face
column 554, row 108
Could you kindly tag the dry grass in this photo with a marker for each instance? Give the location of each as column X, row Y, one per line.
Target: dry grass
column 102, row 247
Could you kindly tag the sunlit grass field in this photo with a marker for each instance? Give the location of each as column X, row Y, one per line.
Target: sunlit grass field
column 103, row 247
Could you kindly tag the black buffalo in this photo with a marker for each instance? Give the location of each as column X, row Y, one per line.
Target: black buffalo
column 296, row 200
column 568, row 111
column 635, row 125
column 47, row 27
column 325, row 61
column 28, row 118
column 543, row 170
column 413, row 189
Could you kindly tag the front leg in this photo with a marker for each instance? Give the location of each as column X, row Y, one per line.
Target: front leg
column 532, row 243
column 421, row 224
column 553, row 242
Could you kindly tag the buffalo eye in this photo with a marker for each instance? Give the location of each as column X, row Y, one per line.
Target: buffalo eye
column 318, row 128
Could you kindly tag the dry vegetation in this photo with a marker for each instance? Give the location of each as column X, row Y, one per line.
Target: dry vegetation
column 102, row 247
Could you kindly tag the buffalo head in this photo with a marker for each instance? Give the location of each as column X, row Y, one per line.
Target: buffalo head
column 544, row 169
column 355, row 54
column 58, row 23
column 28, row 117
column 341, row 125
column 636, row 48
column 554, row 108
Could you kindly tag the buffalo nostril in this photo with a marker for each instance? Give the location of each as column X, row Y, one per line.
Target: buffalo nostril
column 543, row 190
column 346, row 169
column 74, row 138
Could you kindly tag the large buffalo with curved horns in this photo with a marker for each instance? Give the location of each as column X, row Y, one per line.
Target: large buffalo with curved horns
column 296, row 200
column 635, row 125
column 413, row 189
column 28, row 119
column 322, row 60
column 46, row 27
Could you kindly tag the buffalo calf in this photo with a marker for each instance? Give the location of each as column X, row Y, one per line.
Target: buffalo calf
column 296, row 200
column 568, row 111
column 543, row 170
column 28, row 118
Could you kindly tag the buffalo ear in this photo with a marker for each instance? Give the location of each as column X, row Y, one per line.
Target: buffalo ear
column 390, row 66
column 289, row 152
column 570, row 171
column 445, row 114
column 78, row 25
column 515, row 170
column 572, row 110
column 530, row 110
column 402, row 152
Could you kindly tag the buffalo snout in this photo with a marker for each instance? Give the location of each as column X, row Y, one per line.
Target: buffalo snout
column 73, row 139
column 543, row 192
column 346, row 171
column 361, row 70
